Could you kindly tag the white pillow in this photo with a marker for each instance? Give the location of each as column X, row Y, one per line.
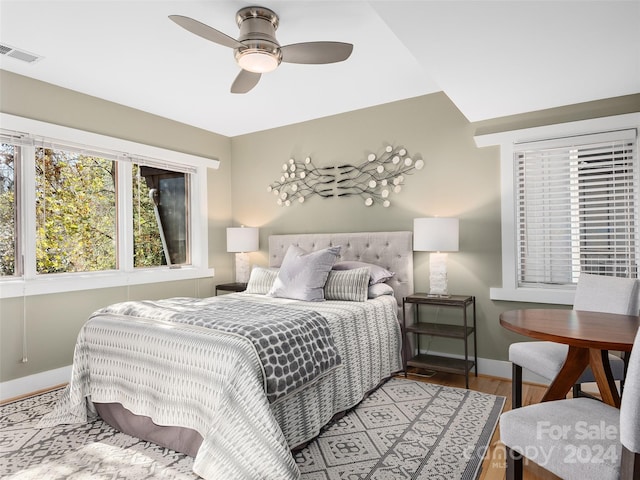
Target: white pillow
column 261, row 280
column 303, row 274
column 379, row 289
column 378, row 273
column 349, row 285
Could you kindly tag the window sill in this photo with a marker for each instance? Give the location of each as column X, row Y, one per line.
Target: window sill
column 533, row 295
column 70, row 282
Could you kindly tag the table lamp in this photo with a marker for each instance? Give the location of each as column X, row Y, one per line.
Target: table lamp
column 241, row 240
column 436, row 235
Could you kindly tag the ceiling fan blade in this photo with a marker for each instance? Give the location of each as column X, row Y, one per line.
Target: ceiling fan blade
column 245, row 81
column 205, row 31
column 316, row 52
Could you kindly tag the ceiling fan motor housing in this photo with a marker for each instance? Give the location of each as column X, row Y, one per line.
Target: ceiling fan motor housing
column 258, row 35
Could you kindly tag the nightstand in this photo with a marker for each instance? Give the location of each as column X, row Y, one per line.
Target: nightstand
column 461, row 332
column 231, row 287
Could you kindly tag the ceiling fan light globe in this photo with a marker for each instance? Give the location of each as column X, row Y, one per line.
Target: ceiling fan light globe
column 257, row 62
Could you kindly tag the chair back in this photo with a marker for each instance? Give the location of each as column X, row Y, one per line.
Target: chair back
column 601, row 293
column 630, row 407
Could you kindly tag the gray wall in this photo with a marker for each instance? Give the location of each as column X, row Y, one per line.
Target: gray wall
column 458, row 180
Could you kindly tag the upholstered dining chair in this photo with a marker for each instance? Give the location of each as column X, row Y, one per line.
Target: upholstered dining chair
column 594, row 293
column 578, row 438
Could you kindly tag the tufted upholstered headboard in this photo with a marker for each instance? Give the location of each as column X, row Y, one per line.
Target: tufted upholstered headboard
column 391, row 250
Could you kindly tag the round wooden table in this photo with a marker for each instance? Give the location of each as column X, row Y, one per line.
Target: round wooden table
column 590, row 336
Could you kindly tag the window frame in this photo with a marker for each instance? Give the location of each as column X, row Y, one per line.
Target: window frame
column 507, row 141
column 29, row 283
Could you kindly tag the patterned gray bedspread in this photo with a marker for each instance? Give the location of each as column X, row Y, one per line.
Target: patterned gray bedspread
column 212, row 382
column 295, row 346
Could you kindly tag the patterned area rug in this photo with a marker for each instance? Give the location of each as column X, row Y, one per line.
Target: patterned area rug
column 404, row 430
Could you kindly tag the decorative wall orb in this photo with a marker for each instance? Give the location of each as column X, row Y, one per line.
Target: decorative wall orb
column 397, row 189
column 303, row 174
column 386, row 204
column 294, row 187
column 395, row 159
column 396, row 181
column 291, row 161
column 384, row 193
column 284, row 167
column 384, row 182
column 292, row 168
column 408, row 161
column 284, row 177
column 402, row 152
column 279, row 202
column 276, row 192
column 269, row 188
column 371, row 157
column 419, row 164
column 372, row 183
column 307, row 160
column 368, row 201
column 380, row 168
column 301, row 199
column 389, row 149
column 283, row 195
column 287, row 203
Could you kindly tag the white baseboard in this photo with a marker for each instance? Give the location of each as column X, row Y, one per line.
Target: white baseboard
column 35, row 382
column 51, row 378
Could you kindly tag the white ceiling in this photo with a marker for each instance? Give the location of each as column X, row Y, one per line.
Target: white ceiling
column 491, row 58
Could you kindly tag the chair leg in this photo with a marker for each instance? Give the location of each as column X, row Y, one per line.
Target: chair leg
column 625, row 359
column 516, row 386
column 577, row 390
column 629, row 465
column 514, row 465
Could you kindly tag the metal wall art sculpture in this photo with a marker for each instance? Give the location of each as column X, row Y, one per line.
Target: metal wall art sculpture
column 374, row 180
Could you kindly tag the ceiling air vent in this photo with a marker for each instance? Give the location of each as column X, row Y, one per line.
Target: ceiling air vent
column 18, row 54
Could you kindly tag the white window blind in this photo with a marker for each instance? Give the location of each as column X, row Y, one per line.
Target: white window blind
column 576, row 208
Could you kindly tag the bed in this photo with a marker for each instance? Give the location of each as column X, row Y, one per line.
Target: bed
column 211, row 393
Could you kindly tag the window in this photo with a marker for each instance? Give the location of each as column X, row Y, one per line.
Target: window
column 8, row 209
column 75, row 209
column 575, row 204
column 76, row 222
column 161, row 217
column 569, row 205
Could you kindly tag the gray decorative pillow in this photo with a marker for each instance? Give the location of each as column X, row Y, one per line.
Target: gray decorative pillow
column 349, row 285
column 261, row 280
column 379, row 289
column 378, row 274
column 302, row 275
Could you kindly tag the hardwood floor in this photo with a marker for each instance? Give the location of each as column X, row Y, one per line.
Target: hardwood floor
column 493, row 467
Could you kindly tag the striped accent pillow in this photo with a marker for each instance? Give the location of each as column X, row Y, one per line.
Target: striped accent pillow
column 350, row 285
column 261, row 280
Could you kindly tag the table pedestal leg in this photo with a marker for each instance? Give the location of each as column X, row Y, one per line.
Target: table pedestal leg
column 599, row 362
column 577, row 361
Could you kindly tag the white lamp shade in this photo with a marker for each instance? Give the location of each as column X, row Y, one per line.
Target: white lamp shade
column 435, row 234
column 242, row 239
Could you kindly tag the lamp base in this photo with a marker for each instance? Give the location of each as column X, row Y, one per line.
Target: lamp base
column 243, row 267
column 438, row 275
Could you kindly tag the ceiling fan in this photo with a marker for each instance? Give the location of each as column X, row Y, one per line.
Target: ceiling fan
column 257, row 51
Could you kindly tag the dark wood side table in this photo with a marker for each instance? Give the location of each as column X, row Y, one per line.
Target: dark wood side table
column 231, row 287
column 436, row 362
